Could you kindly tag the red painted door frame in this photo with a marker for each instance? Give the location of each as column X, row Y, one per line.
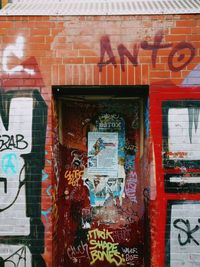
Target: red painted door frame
column 158, row 207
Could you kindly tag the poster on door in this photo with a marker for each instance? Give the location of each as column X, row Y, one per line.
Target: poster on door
column 103, row 153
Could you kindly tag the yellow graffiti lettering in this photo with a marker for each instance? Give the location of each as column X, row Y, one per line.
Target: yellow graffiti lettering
column 112, row 256
column 95, row 256
column 102, row 247
column 73, row 177
column 98, row 234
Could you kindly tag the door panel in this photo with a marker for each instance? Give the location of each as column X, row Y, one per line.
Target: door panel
column 100, row 189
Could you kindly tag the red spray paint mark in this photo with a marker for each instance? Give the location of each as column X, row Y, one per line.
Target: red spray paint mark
column 155, row 46
column 174, row 53
column 22, row 78
column 123, row 51
column 106, row 48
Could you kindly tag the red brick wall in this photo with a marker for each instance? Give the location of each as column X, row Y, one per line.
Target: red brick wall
column 67, row 49
column 111, row 50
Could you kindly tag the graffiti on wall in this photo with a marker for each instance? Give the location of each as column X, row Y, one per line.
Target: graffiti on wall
column 131, row 186
column 22, row 158
column 181, row 145
column 48, row 188
column 15, row 142
column 178, row 54
column 131, row 255
column 73, row 177
column 182, row 243
column 181, row 119
column 77, row 253
column 16, row 50
column 98, row 189
column 22, row 71
column 102, row 247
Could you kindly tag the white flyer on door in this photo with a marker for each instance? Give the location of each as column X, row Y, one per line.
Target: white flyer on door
column 103, row 153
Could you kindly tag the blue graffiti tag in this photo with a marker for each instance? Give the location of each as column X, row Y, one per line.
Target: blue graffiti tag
column 45, row 213
column 10, row 163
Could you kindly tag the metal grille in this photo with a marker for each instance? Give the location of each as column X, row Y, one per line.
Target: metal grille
column 100, row 7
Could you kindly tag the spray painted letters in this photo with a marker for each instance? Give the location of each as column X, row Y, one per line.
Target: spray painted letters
column 102, row 247
column 178, row 51
column 22, row 154
column 183, row 235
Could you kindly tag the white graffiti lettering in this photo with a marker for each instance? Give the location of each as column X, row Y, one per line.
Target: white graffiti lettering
column 122, row 235
column 16, row 50
column 131, row 185
column 78, row 252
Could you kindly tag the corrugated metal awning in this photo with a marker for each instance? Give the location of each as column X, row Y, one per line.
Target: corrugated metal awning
column 99, row 7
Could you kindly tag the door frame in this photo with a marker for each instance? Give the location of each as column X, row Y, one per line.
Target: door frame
column 159, row 207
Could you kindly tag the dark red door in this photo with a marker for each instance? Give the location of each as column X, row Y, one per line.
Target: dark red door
column 101, row 211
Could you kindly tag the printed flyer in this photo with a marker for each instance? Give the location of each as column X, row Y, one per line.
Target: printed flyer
column 103, row 153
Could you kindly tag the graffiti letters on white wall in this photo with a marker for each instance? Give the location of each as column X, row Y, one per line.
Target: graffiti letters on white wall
column 184, row 133
column 15, row 141
column 22, row 153
column 181, row 133
column 181, row 145
column 183, row 241
column 15, row 255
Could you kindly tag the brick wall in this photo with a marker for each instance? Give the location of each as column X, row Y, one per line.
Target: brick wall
column 39, row 52
column 74, row 50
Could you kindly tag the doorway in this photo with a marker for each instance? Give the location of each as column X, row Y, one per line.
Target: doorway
column 101, row 207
